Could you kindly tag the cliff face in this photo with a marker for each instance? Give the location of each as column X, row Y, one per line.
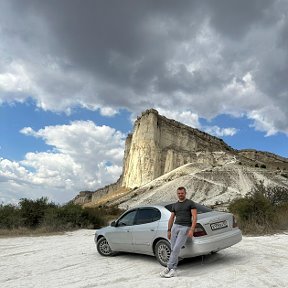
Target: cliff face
column 158, row 145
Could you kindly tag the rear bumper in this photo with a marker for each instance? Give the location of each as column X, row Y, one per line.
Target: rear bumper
column 205, row 245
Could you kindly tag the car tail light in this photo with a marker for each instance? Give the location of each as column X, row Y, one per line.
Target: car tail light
column 234, row 222
column 199, row 231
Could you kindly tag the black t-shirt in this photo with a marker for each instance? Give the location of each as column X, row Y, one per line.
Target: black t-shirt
column 182, row 211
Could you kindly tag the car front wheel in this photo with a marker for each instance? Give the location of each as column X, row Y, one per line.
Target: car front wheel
column 162, row 252
column 103, row 247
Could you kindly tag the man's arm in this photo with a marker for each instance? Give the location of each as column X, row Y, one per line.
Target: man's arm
column 194, row 222
column 170, row 224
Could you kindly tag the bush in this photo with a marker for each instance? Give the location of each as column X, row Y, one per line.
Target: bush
column 46, row 216
column 263, row 210
column 94, row 218
column 282, row 216
column 32, row 211
column 9, row 217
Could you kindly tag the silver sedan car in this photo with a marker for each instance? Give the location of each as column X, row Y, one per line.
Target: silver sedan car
column 144, row 230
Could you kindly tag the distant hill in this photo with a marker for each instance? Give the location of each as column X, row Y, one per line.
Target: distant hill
column 162, row 154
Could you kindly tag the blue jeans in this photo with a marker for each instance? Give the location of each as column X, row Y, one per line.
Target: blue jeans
column 178, row 239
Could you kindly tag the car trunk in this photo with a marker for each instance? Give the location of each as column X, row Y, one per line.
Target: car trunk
column 215, row 222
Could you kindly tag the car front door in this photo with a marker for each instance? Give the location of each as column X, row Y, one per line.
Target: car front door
column 120, row 239
column 145, row 229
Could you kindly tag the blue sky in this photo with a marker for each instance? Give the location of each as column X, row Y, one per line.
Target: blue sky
column 74, row 77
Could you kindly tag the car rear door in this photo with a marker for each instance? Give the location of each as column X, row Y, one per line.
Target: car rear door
column 145, row 229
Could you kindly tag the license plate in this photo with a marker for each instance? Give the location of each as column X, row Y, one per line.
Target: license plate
column 219, row 225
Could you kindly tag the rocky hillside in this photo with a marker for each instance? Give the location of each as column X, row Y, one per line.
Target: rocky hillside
column 162, row 154
column 213, row 186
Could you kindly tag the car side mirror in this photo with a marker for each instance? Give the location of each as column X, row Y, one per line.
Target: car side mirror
column 113, row 223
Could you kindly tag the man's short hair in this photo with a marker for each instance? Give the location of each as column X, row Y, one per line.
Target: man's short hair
column 181, row 188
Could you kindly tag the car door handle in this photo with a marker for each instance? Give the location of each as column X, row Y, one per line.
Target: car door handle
column 152, row 229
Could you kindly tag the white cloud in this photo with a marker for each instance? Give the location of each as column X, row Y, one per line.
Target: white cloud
column 263, row 122
column 83, row 156
column 11, row 170
column 220, row 132
column 15, row 78
column 108, row 111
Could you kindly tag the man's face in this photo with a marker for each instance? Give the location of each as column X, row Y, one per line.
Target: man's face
column 181, row 194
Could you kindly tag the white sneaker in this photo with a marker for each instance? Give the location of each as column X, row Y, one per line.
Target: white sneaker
column 171, row 273
column 164, row 272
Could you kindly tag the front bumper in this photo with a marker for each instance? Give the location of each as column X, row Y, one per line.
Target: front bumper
column 205, row 245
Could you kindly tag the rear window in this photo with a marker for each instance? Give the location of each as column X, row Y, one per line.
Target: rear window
column 147, row 215
column 200, row 208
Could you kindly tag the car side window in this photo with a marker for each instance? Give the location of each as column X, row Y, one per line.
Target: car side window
column 127, row 219
column 147, row 215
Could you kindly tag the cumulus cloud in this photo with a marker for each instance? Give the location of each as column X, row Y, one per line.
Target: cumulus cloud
column 220, row 132
column 203, row 57
column 82, row 156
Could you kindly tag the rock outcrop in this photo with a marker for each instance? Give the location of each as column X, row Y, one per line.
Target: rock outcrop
column 159, row 145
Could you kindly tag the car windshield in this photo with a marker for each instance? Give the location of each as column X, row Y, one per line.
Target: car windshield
column 200, row 208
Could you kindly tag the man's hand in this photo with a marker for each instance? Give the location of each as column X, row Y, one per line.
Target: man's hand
column 169, row 235
column 190, row 233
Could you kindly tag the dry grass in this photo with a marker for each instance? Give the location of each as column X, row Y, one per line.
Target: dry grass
column 279, row 224
column 282, row 217
column 43, row 231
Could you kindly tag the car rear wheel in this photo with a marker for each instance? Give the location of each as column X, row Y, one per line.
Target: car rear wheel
column 162, row 252
column 103, row 247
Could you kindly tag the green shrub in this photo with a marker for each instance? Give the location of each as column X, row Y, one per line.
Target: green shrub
column 32, row 211
column 42, row 215
column 9, row 217
column 263, row 210
column 94, row 218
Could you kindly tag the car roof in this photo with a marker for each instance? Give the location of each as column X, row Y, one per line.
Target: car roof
column 163, row 204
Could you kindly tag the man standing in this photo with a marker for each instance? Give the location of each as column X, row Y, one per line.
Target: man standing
column 186, row 218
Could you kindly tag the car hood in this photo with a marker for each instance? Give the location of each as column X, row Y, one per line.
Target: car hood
column 103, row 230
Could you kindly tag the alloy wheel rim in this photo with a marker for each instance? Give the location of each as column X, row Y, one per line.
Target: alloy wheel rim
column 163, row 253
column 104, row 247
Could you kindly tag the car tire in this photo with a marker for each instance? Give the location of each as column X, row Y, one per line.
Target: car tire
column 162, row 252
column 103, row 247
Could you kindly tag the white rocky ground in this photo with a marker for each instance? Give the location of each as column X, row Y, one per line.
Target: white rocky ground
column 71, row 260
